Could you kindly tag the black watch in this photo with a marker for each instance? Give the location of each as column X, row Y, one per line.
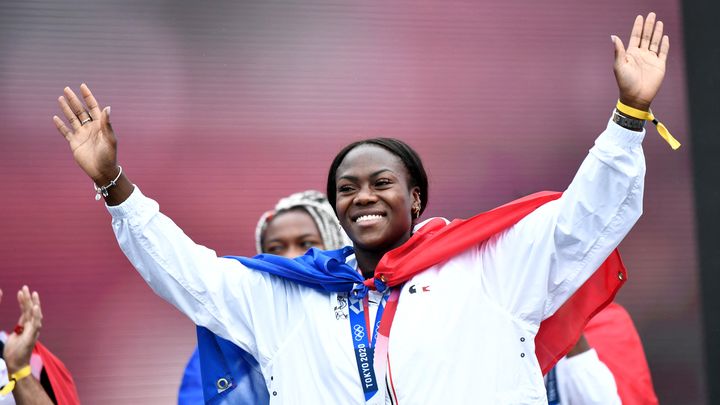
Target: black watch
column 626, row 122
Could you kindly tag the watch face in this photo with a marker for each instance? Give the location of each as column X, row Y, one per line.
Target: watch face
column 628, row 123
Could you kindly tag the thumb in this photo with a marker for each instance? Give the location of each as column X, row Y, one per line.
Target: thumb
column 105, row 121
column 619, row 49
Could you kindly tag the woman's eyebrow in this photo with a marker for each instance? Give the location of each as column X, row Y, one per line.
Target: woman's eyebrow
column 308, row 235
column 381, row 171
column 373, row 174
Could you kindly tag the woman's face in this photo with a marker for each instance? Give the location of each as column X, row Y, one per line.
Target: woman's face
column 291, row 233
column 374, row 199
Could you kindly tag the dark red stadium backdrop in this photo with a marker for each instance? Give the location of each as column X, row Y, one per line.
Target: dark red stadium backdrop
column 222, row 107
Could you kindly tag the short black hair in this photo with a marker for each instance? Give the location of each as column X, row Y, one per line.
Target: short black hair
column 410, row 158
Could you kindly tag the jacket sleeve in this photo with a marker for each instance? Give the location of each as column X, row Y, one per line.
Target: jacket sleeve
column 532, row 268
column 246, row 307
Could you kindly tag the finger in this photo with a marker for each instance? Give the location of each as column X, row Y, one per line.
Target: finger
column 35, row 314
column 25, row 301
column 21, row 304
column 35, row 298
column 36, row 308
column 90, row 101
column 664, row 48
column 634, row 41
column 21, row 297
column 619, row 49
column 76, row 105
column 60, row 125
column 656, row 37
column 37, row 321
column 68, row 112
column 647, row 31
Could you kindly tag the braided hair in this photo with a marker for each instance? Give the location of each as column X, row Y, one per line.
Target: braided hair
column 316, row 205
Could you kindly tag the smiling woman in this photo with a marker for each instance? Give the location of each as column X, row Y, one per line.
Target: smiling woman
column 379, row 188
column 469, row 302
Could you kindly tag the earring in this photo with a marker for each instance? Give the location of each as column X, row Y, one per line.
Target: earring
column 416, row 212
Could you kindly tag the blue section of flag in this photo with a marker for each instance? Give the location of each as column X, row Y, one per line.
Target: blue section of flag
column 323, row 270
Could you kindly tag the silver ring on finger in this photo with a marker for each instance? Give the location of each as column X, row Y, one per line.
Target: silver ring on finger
column 86, row 120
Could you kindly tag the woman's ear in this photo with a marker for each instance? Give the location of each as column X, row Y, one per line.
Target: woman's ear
column 416, row 206
column 416, row 196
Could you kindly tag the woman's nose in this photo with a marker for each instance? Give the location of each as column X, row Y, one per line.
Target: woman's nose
column 295, row 251
column 365, row 196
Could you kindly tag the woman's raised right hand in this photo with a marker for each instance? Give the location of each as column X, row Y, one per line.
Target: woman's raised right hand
column 90, row 134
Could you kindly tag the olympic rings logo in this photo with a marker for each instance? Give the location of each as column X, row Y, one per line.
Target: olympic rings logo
column 359, row 332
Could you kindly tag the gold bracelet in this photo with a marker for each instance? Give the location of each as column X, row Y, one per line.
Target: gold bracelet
column 648, row 116
column 14, row 378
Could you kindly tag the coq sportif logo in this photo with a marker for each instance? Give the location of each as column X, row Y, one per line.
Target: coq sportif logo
column 413, row 289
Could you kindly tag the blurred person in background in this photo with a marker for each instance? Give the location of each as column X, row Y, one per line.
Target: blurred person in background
column 581, row 378
column 606, row 366
column 298, row 222
column 29, row 373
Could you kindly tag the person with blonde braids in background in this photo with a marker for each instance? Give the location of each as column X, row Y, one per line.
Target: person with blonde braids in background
column 298, row 222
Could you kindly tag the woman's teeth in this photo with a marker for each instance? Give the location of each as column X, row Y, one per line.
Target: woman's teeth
column 368, row 218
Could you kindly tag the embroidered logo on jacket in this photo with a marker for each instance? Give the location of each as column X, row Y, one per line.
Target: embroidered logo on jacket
column 413, row 289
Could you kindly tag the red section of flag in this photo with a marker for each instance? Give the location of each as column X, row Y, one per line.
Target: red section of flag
column 559, row 333
column 62, row 382
column 613, row 335
column 437, row 241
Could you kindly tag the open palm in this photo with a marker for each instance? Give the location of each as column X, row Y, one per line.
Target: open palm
column 640, row 69
column 90, row 135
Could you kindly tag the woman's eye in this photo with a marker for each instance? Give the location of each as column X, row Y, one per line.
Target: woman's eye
column 382, row 182
column 344, row 188
column 273, row 250
column 309, row 243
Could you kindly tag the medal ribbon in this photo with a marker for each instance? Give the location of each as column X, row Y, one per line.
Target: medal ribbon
column 369, row 355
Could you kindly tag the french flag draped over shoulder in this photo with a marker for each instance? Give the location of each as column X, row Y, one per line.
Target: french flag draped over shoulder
column 434, row 243
column 437, row 241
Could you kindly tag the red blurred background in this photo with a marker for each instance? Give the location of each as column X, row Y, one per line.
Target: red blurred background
column 222, row 107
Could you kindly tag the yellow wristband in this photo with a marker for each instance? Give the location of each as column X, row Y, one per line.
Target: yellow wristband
column 648, row 116
column 14, row 377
